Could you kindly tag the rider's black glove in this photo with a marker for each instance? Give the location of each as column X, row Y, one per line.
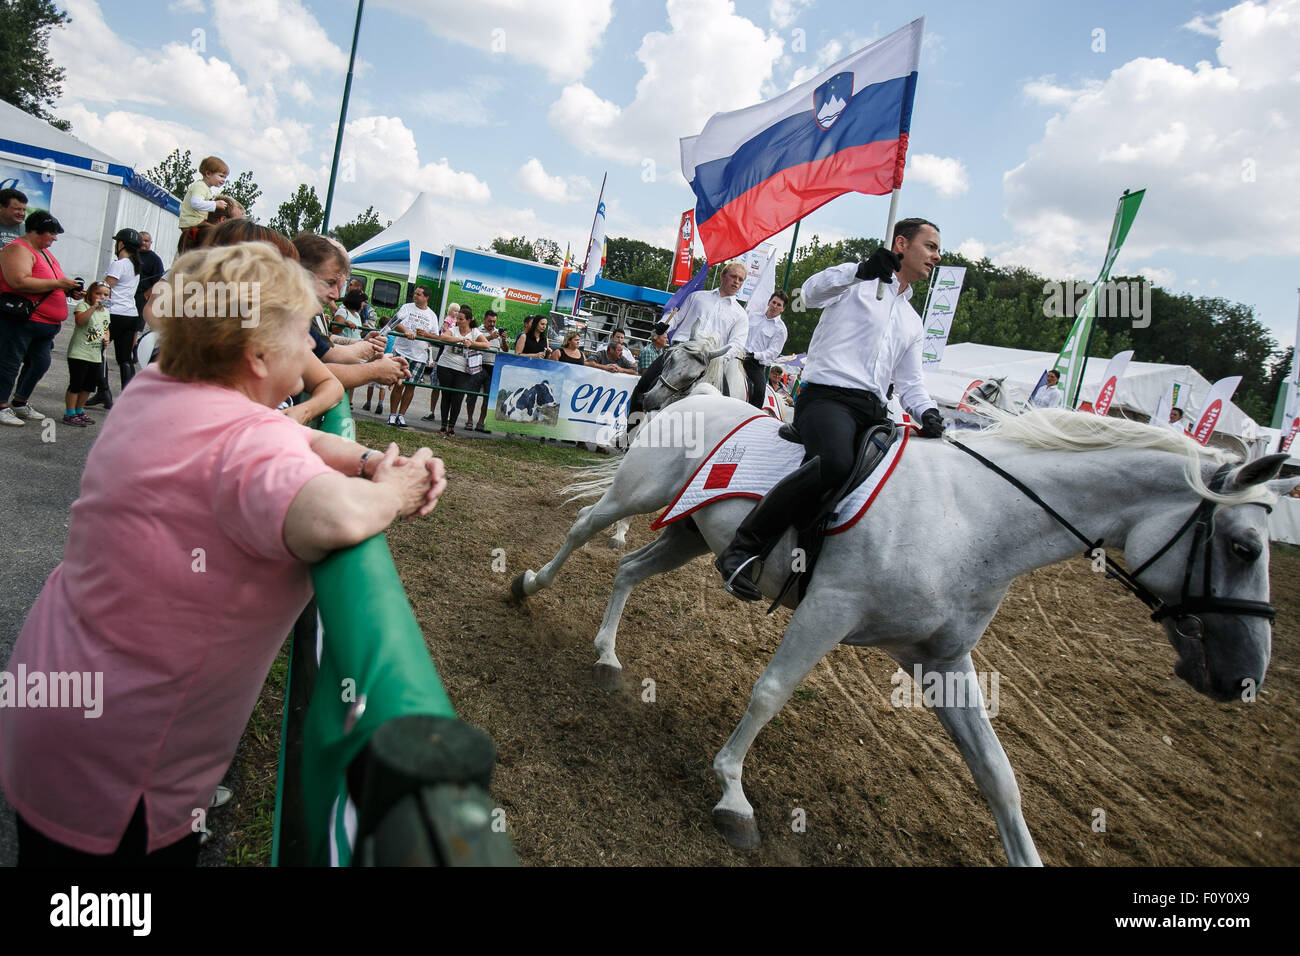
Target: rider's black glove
column 931, row 424
column 881, row 264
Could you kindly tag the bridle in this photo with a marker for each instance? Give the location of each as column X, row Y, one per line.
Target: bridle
column 1200, row 522
column 678, row 389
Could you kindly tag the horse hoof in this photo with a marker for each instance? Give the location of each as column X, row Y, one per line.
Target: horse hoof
column 517, row 587
column 618, row 544
column 740, row 832
column 608, row 677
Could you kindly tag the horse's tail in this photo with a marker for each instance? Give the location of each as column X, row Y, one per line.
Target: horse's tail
column 592, row 481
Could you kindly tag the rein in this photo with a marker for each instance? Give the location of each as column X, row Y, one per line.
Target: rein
column 1201, row 519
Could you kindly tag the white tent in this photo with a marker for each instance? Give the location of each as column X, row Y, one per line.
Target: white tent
column 1139, row 390
column 397, row 249
column 90, row 193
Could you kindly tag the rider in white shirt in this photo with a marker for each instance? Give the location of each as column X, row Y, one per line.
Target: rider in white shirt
column 709, row 312
column 859, row 347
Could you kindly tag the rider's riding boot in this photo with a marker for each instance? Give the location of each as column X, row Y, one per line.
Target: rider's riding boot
column 793, row 500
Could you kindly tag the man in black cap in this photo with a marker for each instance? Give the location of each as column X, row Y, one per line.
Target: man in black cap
column 658, row 342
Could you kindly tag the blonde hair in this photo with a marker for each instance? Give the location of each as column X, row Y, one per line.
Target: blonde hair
column 734, row 264
column 569, row 336
column 218, row 302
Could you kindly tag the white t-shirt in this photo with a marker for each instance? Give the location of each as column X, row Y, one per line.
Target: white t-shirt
column 122, row 299
column 414, row 319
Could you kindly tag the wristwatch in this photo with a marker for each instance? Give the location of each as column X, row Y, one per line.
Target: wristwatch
column 365, row 456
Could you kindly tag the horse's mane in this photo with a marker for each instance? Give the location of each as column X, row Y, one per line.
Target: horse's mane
column 702, row 347
column 1058, row 429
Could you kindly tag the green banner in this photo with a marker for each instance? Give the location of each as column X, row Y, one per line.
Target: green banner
column 1074, row 354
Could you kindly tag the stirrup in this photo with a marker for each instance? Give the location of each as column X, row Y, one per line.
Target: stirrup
column 729, row 584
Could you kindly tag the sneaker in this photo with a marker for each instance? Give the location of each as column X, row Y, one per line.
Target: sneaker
column 392, row 419
column 220, row 797
column 73, row 420
column 28, row 413
column 401, row 421
column 379, row 409
column 96, row 399
column 431, row 417
column 85, row 419
column 366, row 406
column 7, row 417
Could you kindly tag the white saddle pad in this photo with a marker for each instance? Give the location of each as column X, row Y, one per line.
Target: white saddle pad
column 751, row 459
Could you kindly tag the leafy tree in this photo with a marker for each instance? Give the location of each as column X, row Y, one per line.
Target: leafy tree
column 538, row 250
column 301, row 212
column 243, row 190
column 548, row 251
column 28, row 77
column 354, row 233
column 174, row 173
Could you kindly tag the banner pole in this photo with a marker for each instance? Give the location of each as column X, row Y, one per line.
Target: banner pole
column 889, row 231
column 785, row 283
column 582, row 275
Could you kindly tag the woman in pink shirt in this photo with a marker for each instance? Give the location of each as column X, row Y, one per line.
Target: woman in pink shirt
column 214, row 505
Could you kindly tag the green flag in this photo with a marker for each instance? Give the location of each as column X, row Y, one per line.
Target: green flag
column 1074, row 354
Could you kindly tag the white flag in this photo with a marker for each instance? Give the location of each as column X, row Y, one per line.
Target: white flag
column 1115, row 370
column 595, row 248
column 1220, row 394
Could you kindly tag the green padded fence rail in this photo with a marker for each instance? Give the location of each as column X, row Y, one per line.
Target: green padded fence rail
column 374, row 667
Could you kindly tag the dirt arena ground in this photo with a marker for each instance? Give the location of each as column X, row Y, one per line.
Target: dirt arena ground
column 1090, row 713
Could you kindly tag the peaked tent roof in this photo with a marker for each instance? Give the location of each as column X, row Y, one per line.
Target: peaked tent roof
column 397, row 249
column 1139, row 389
column 33, row 139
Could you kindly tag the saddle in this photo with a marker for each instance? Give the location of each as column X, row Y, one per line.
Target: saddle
column 872, row 447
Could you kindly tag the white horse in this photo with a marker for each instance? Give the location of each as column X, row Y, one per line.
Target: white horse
column 922, row 574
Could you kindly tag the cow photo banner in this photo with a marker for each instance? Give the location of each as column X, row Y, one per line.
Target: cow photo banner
column 531, row 396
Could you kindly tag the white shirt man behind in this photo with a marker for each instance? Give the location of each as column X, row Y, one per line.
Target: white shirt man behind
column 767, row 335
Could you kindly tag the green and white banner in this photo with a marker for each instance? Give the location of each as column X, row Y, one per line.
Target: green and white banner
column 1069, row 364
column 531, row 396
column 945, row 289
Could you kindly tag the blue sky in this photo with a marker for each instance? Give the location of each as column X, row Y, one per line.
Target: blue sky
column 1029, row 120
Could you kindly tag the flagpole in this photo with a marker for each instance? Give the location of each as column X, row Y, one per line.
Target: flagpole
column 785, row 283
column 889, row 231
column 599, row 199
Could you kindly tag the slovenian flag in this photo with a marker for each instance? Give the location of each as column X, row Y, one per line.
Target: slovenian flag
column 757, row 170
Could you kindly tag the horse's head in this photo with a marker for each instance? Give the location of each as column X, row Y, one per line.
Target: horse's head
column 991, row 391
column 685, row 367
column 1213, row 579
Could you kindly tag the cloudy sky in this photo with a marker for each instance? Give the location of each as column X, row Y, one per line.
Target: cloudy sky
column 1030, row 118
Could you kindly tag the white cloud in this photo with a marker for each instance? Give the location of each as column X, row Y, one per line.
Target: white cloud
column 688, row 76
column 1046, row 92
column 1205, row 26
column 1213, row 145
column 785, row 12
column 387, row 164
column 973, row 249
column 562, row 38
column 274, row 37
column 187, row 6
column 947, row 175
column 533, row 179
